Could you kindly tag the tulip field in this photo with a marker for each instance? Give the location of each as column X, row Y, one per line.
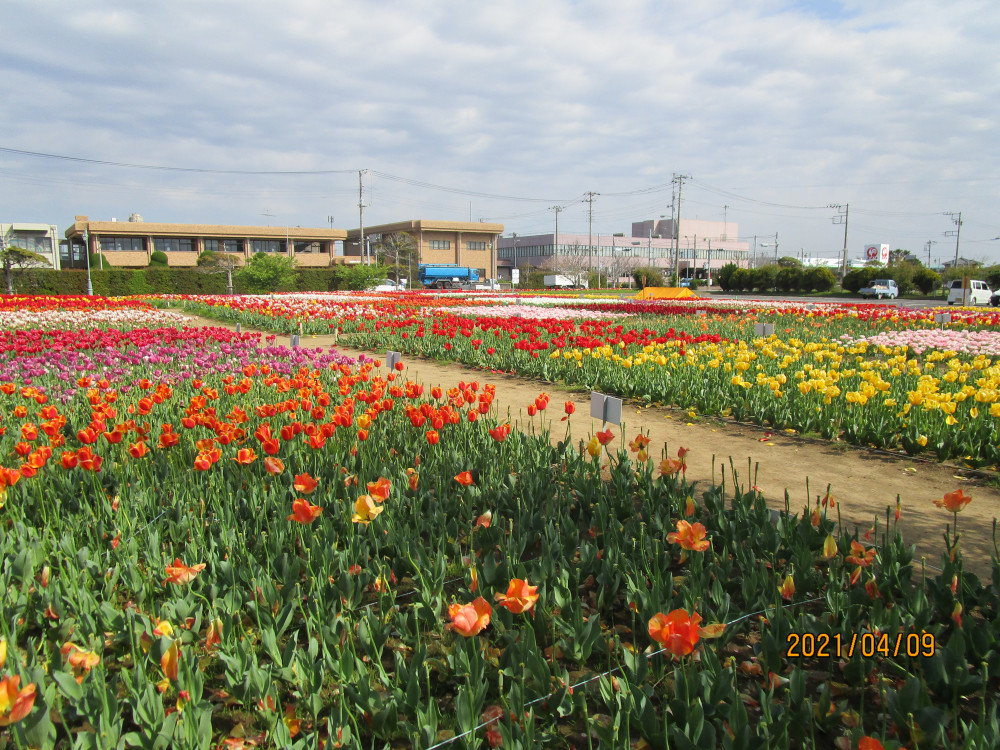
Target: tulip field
column 213, row 540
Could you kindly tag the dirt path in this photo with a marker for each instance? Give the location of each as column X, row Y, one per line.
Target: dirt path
column 865, row 483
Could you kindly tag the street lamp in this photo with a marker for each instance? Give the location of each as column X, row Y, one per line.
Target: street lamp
column 86, row 252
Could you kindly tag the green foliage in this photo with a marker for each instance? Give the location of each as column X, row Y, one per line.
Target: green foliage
column 267, row 273
column 818, row 279
column 357, row 276
column 789, row 262
column 724, row 276
column 764, row 278
column 927, row 280
column 788, row 277
column 157, row 259
column 694, row 285
column 741, row 280
column 862, row 277
column 596, row 280
column 531, row 278
column 15, row 260
column 647, row 276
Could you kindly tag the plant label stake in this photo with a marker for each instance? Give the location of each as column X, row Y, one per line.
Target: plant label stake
column 700, row 313
column 606, row 408
column 391, row 358
column 295, row 340
column 762, row 330
column 239, row 328
column 942, row 318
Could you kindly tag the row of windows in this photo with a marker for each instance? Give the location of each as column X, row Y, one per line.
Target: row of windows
column 36, row 242
column 636, row 251
column 188, row 245
column 439, row 244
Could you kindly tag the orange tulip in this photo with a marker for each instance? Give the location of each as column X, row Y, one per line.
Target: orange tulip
column 954, row 501
column 379, row 490
column 787, row 588
column 168, row 662
column 15, row 703
column 520, row 597
column 304, row 483
column 690, row 536
column 303, row 512
column 80, row 661
column 500, row 432
column 180, row 573
column 138, row 450
column 869, row 743
column 433, row 437
column 470, row 619
column 670, row 466
column 677, row 631
column 604, row 437
column 365, row 510
column 273, row 465
column 245, row 456
column 570, row 407
column 485, row 519
column 464, row 478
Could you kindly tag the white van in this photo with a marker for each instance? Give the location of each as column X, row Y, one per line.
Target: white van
column 976, row 293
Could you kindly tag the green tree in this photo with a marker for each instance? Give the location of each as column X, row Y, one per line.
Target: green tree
column 741, row 279
column 788, row 261
column 357, row 276
column 818, row 279
column 788, row 277
column 268, row 273
column 211, row 262
column 157, row 259
column 647, row 276
column 16, row 260
column 764, row 278
column 724, row 277
column 926, row 280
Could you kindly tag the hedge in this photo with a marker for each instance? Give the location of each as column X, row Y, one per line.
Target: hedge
column 124, row 281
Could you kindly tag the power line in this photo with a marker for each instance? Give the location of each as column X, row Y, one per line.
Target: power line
column 164, row 168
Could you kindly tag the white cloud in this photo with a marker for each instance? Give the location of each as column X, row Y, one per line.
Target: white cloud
column 890, row 106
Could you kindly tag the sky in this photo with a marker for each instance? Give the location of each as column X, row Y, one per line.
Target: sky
column 256, row 112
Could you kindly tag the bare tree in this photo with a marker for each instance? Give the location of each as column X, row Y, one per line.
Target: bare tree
column 575, row 264
column 398, row 249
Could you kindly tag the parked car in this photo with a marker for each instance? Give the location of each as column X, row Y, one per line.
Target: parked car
column 976, row 293
column 881, row 288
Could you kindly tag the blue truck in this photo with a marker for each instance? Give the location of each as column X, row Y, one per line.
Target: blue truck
column 446, row 275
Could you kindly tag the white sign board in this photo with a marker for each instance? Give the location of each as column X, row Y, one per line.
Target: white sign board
column 876, row 254
column 515, row 276
column 605, row 408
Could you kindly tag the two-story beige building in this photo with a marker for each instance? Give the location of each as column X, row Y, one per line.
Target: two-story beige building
column 132, row 242
column 465, row 243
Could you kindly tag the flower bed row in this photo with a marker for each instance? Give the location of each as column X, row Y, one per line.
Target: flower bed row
column 328, row 555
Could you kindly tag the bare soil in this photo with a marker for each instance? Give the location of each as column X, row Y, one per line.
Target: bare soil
column 864, row 483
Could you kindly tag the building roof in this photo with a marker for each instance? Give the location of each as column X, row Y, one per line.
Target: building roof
column 429, row 225
column 235, row 231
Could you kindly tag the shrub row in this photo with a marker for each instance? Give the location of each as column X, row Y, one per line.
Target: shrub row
column 124, row 281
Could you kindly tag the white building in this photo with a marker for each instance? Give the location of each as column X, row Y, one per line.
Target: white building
column 38, row 238
column 702, row 245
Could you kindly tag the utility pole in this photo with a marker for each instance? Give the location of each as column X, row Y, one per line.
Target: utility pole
column 957, row 232
column 725, row 222
column 590, row 231
column 679, row 179
column 929, row 243
column 330, row 219
column 555, row 237
column 86, row 251
column 361, row 215
column 841, row 218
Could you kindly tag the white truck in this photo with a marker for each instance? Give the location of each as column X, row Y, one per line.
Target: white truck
column 558, row 281
column 881, row 288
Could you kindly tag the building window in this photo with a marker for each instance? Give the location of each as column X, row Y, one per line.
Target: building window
column 307, row 247
column 475, row 245
column 232, row 246
column 439, row 244
column 265, row 246
column 35, row 242
column 173, row 244
column 122, row 245
column 210, row 246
